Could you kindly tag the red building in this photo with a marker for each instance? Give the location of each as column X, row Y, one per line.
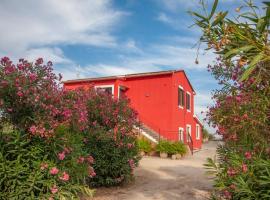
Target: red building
column 164, row 101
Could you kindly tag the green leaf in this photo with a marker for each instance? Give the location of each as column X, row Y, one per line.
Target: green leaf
column 213, row 9
column 261, row 25
column 252, row 66
column 198, row 15
column 235, row 51
column 219, row 18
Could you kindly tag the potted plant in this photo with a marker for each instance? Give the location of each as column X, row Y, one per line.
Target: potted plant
column 144, row 146
column 179, row 150
column 163, row 148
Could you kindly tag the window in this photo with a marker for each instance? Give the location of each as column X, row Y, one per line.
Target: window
column 188, row 101
column 181, row 97
column 181, row 134
column 188, row 133
column 105, row 88
column 197, row 131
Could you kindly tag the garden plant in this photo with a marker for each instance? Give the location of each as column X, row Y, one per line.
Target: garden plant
column 241, row 113
column 46, row 135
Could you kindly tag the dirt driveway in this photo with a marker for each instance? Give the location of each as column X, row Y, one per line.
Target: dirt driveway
column 165, row 179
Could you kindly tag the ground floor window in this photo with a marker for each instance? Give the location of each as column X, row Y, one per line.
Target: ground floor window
column 181, row 134
column 197, row 131
column 188, row 132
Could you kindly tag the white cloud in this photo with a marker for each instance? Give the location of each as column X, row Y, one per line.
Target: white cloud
column 53, row 54
column 35, row 24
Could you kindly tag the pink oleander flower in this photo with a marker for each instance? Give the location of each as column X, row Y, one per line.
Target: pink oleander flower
column 248, row 155
column 32, row 76
column 33, row 129
column 91, row 172
column 64, row 177
column 227, row 194
column 90, row 159
column 20, row 94
column 54, row 189
column 231, row 172
column 61, row 156
column 80, row 159
column 131, row 163
column 43, row 166
column 244, row 168
column 54, row 171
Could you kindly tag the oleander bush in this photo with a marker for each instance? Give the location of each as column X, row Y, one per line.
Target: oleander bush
column 55, row 143
column 111, row 139
column 41, row 150
column 241, row 113
column 144, row 145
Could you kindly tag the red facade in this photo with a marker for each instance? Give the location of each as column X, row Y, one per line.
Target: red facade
column 155, row 96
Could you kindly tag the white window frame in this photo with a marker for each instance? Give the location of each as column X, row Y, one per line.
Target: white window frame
column 189, row 110
column 188, row 126
column 198, row 132
column 179, row 86
column 105, row 86
column 181, row 136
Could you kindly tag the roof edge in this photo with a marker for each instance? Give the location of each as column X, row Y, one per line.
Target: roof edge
column 123, row 76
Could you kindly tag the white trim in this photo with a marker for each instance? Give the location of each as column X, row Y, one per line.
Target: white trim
column 146, row 135
column 195, row 116
column 188, row 110
column 198, row 134
column 106, row 86
column 188, row 125
column 181, row 136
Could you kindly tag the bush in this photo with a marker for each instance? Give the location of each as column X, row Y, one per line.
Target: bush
column 111, row 139
column 179, row 148
column 144, row 145
column 40, row 136
column 164, row 146
column 114, row 162
column 241, row 110
column 242, row 175
column 171, row 147
column 26, row 171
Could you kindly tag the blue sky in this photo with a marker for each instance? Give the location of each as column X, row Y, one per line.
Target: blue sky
column 109, row 37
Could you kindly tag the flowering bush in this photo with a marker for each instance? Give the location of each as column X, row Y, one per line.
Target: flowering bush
column 39, row 158
column 242, row 110
column 111, row 139
column 27, row 171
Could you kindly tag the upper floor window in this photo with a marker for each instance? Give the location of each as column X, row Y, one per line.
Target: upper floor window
column 105, row 88
column 181, row 97
column 188, row 100
column 198, row 132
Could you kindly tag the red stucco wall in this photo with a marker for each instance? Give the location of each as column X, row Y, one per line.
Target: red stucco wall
column 155, row 98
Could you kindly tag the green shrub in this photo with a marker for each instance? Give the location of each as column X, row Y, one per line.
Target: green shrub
column 242, row 175
column 111, row 139
column 114, row 161
column 25, row 171
column 144, row 145
column 165, row 146
column 171, row 147
column 179, row 148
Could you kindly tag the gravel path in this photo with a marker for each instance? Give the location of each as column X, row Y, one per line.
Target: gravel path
column 165, row 179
